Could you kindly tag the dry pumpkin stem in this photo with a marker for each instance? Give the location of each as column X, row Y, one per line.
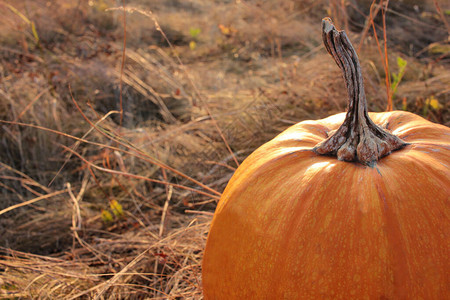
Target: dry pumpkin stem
column 358, row 138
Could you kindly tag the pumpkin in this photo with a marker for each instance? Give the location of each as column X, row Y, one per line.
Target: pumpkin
column 354, row 206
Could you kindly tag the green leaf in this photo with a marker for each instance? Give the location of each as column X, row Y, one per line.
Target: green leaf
column 116, row 208
column 106, row 216
column 26, row 20
column 35, row 34
column 433, row 103
column 438, row 48
column 194, row 32
column 401, row 63
column 397, row 77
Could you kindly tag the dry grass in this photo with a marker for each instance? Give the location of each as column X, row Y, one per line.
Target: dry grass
column 93, row 209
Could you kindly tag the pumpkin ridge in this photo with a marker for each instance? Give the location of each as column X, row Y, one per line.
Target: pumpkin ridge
column 396, row 245
column 302, row 206
column 305, row 209
column 410, row 133
column 256, row 171
column 431, row 146
column 425, row 213
column 429, row 165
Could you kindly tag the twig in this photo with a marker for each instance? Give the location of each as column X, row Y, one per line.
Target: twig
column 75, row 146
column 383, row 57
column 441, row 14
column 31, row 103
column 199, row 212
column 386, row 60
column 138, row 176
column 123, row 62
column 368, row 24
column 31, row 180
column 169, row 190
column 12, row 207
column 106, row 285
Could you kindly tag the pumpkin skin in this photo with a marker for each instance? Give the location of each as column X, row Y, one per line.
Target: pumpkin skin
column 292, row 224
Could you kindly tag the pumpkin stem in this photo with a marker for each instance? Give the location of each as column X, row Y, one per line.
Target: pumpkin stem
column 358, row 138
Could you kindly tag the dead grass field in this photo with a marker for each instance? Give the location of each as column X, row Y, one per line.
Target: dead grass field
column 112, row 159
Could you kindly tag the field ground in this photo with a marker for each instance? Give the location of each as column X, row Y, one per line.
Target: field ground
column 112, row 159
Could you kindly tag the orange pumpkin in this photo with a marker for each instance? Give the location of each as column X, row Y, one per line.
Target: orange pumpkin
column 337, row 208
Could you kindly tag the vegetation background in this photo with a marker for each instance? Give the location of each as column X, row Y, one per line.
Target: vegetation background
column 120, row 128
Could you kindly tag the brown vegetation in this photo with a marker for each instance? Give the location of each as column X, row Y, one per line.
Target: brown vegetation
column 112, row 161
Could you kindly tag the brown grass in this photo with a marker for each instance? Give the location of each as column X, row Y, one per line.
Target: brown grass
column 112, row 161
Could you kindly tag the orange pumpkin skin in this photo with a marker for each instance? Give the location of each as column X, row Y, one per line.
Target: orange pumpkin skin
column 293, row 224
